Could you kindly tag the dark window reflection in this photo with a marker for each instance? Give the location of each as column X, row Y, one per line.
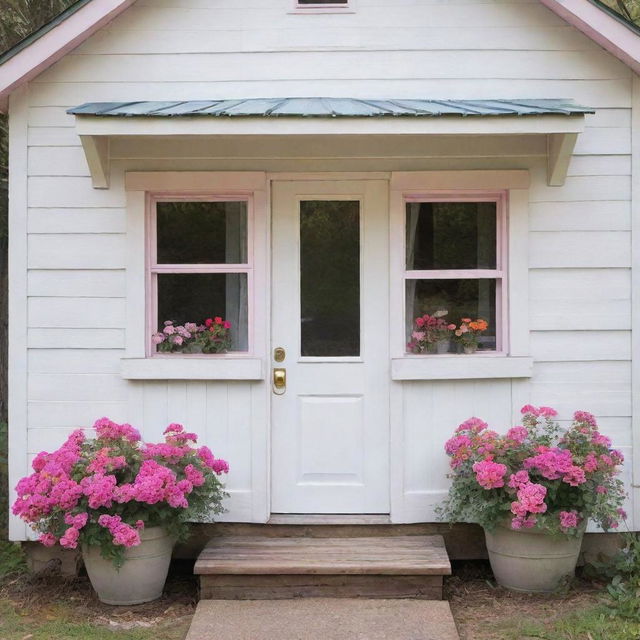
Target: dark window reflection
column 330, row 278
column 187, row 297
column 202, row 232
column 451, row 235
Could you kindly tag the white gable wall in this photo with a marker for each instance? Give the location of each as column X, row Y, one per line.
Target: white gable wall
column 580, row 241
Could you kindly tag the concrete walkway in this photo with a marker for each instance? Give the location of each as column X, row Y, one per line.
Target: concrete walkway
column 323, row 619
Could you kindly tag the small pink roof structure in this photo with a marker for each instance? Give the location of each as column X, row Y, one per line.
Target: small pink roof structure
column 48, row 45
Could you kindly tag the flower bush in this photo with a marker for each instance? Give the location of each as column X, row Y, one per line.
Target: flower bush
column 429, row 331
column 104, row 491
column 468, row 333
column 213, row 336
column 536, row 475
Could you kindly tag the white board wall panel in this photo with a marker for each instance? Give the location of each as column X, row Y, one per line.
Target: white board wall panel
column 141, row 41
column 580, row 215
column 65, row 387
column 600, row 165
column 574, row 249
column 52, row 136
column 76, row 414
column 604, row 140
column 74, row 192
column 77, row 284
column 58, row 161
column 580, row 346
column 435, row 15
column 77, row 361
column 432, row 411
column 592, row 188
column 77, row 251
column 612, row 93
column 76, row 313
column 77, row 338
column 79, row 220
column 340, row 65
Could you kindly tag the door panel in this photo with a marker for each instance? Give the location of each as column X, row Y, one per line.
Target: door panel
column 330, row 428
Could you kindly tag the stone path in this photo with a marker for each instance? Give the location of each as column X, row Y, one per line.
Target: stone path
column 323, row 619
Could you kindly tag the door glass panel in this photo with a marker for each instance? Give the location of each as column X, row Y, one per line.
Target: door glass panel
column 451, row 235
column 330, row 278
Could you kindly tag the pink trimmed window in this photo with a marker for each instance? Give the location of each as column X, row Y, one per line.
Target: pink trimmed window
column 200, row 267
column 456, row 262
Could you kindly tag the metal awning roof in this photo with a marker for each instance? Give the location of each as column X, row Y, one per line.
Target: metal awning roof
column 331, row 107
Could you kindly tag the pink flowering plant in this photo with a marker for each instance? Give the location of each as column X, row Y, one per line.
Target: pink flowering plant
column 429, row 330
column 104, row 491
column 536, row 475
column 212, row 336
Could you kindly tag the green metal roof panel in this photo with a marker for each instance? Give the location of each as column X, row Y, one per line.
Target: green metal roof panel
column 331, row 107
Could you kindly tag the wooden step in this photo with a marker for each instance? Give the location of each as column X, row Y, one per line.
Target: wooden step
column 255, row 568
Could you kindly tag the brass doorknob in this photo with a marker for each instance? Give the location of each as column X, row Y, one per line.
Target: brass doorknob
column 279, row 381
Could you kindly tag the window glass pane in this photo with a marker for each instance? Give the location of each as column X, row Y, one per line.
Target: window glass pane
column 451, row 235
column 194, row 297
column 303, row 2
column 330, row 278
column 202, row 232
column 474, row 299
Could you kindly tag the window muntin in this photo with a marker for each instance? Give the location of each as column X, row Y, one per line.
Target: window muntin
column 200, row 264
column 455, row 259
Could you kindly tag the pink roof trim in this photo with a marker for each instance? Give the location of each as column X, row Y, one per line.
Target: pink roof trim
column 602, row 28
column 52, row 46
column 598, row 25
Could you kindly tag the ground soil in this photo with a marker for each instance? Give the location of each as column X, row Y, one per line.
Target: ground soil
column 479, row 605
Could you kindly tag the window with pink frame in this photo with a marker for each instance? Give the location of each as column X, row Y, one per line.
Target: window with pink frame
column 199, row 275
column 456, row 263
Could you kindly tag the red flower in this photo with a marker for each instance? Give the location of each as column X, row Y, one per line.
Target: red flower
column 218, row 320
column 208, row 322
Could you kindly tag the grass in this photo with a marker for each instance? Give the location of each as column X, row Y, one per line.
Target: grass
column 11, row 560
column 56, row 623
column 593, row 623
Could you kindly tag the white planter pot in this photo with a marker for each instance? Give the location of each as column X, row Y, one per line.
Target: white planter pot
column 531, row 560
column 140, row 579
column 443, row 346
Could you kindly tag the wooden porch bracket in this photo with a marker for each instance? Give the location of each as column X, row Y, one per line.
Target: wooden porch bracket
column 96, row 150
column 560, row 147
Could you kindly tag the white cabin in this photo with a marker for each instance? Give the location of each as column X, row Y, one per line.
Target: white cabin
column 319, row 175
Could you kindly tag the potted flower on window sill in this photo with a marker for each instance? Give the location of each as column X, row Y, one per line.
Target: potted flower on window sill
column 533, row 490
column 468, row 334
column 212, row 336
column 124, row 502
column 432, row 333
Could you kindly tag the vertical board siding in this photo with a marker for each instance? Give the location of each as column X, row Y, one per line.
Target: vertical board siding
column 580, row 240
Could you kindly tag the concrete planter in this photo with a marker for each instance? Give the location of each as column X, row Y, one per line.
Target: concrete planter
column 531, row 560
column 140, row 579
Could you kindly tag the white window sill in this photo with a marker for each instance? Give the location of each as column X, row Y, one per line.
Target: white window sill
column 461, row 367
column 192, row 368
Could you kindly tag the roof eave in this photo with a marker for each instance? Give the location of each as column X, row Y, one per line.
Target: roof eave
column 614, row 35
column 54, row 43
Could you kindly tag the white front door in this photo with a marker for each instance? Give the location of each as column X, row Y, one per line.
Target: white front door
column 330, row 280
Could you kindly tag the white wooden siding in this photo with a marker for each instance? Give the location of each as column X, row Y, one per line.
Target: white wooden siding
column 580, row 242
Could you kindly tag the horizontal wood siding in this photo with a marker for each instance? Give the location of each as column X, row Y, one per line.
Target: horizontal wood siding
column 580, row 234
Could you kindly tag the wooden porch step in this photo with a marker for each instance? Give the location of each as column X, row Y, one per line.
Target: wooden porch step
column 255, row 568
